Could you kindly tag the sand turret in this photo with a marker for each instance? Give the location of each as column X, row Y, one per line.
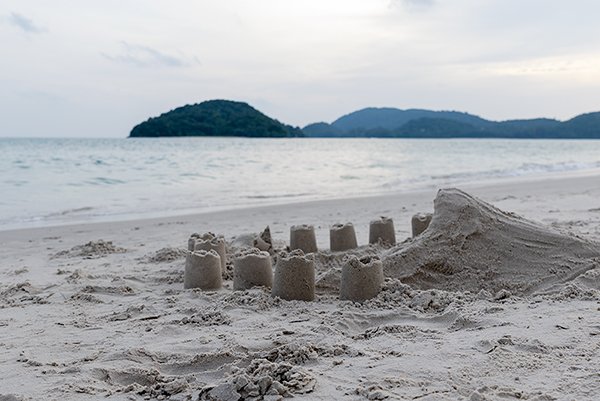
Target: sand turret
column 382, row 230
column 203, row 270
column 303, row 237
column 210, row 241
column 294, row 277
column 251, row 268
column 361, row 278
column 342, row 237
column 420, row 222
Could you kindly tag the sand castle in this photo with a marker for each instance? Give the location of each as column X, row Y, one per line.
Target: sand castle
column 203, row 270
column 252, row 267
column 466, row 245
column 294, row 277
column 342, row 237
column 382, row 230
column 303, row 237
column 210, row 241
column 361, row 278
column 471, row 245
column 420, row 222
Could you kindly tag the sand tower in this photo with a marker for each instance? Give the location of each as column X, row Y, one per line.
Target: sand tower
column 342, row 237
column 361, row 278
column 251, row 268
column 420, row 222
column 203, row 270
column 382, row 230
column 210, row 241
column 294, row 277
column 192, row 241
column 303, row 237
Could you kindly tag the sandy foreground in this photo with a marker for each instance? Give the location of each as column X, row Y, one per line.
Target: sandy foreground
column 85, row 319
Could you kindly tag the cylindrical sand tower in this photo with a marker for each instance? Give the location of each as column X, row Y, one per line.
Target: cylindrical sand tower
column 252, row 268
column 382, row 230
column 420, row 222
column 342, row 237
column 203, row 270
column 361, row 278
column 209, row 242
column 294, row 277
column 303, row 237
column 192, row 241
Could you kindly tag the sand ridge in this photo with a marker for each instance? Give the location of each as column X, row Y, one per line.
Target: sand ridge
column 471, row 245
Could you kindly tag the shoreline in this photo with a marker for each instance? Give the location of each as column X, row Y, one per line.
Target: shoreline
column 482, row 186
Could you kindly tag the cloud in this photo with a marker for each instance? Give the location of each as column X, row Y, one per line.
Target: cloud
column 145, row 56
column 24, row 23
column 412, row 4
column 418, row 2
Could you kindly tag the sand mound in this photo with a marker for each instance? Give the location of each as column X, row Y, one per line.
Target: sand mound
column 21, row 294
column 167, row 255
column 260, row 380
column 91, row 250
column 264, row 241
column 471, row 245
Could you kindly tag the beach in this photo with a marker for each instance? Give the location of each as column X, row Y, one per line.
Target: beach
column 98, row 310
column 311, row 200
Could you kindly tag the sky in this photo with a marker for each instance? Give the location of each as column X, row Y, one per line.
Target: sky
column 97, row 68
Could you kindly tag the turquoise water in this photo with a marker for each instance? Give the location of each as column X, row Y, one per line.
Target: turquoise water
column 56, row 181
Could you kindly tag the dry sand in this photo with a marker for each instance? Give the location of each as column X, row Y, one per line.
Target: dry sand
column 483, row 305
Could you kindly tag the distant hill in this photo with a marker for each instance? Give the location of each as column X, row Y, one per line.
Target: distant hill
column 214, row 118
column 323, row 129
column 584, row 124
column 390, row 118
column 416, row 123
column 229, row 118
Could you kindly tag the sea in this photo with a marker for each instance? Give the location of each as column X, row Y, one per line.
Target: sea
column 61, row 181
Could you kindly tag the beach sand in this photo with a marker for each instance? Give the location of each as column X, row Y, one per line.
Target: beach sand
column 99, row 311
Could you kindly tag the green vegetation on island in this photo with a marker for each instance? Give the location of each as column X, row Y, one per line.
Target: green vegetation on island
column 229, row 118
column 214, row 118
column 414, row 123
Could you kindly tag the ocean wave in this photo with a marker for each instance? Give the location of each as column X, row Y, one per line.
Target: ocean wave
column 70, row 211
column 277, row 196
column 523, row 169
column 106, row 181
column 50, row 181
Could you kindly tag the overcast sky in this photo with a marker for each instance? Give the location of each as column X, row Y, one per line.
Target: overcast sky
column 97, row 68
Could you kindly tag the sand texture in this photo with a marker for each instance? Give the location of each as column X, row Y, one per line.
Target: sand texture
column 483, row 305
